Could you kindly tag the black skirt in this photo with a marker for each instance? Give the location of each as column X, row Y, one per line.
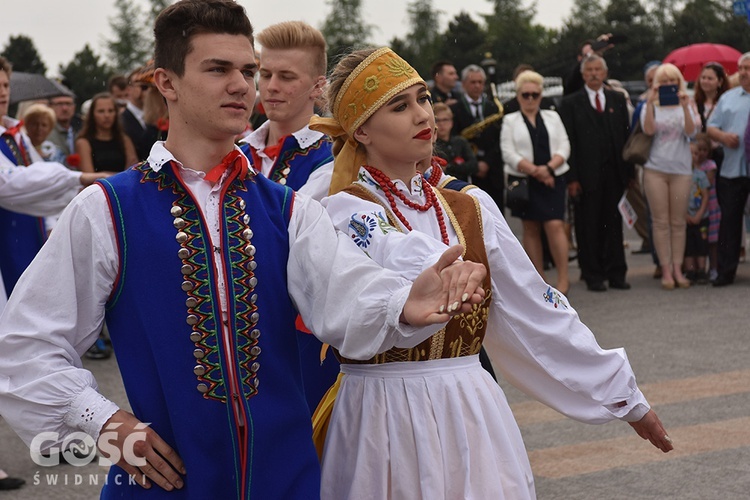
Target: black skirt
column 545, row 203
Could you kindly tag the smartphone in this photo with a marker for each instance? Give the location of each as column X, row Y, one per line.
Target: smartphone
column 599, row 45
column 612, row 40
column 668, row 95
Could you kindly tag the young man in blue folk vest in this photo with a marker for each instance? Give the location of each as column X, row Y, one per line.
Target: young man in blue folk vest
column 199, row 266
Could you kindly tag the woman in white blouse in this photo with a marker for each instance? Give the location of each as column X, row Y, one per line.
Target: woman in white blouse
column 426, row 421
column 535, row 146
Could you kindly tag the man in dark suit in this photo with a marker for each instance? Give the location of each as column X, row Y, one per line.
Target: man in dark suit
column 445, row 77
column 596, row 120
column 474, row 106
column 132, row 117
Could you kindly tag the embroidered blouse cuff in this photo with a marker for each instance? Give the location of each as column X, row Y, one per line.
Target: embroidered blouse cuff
column 408, row 336
column 89, row 411
column 635, row 408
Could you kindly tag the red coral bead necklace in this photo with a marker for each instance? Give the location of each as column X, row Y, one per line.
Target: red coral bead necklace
column 389, row 189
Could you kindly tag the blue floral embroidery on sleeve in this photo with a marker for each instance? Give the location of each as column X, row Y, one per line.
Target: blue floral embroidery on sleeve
column 361, row 227
column 555, row 298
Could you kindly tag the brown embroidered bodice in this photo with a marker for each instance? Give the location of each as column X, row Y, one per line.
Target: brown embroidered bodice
column 463, row 334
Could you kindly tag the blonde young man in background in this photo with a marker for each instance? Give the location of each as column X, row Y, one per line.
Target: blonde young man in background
column 284, row 149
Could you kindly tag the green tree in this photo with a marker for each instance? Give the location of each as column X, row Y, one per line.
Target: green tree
column 512, row 38
column 464, row 41
column 661, row 15
column 585, row 21
column 22, row 53
column 155, row 8
column 85, row 74
column 708, row 21
column 344, row 28
column 130, row 46
column 626, row 59
column 423, row 44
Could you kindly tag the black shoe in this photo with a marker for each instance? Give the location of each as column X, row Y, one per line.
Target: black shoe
column 701, row 278
column 722, row 281
column 596, row 286
column 619, row 284
column 100, row 350
column 11, row 483
column 642, row 250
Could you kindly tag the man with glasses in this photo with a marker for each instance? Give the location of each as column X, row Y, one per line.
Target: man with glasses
column 475, row 107
column 68, row 124
column 596, row 120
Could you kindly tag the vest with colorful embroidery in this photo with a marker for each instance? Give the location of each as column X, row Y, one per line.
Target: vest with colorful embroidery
column 293, row 168
column 231, row 405
column 21, row 236
column 463, row 334
column 294, row 165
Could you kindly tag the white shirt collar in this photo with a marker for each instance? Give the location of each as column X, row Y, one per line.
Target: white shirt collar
column 415, row 193
column 160, row 155
column 592, row 96
column 7, row 122
column 137, row 112
column 305, row 136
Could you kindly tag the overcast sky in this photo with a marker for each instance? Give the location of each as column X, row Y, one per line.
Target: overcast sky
column 60, row 28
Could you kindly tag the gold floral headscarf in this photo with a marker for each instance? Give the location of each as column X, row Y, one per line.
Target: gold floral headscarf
column 373, row 83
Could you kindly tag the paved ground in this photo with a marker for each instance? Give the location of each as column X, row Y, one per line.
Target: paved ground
column 691, row 352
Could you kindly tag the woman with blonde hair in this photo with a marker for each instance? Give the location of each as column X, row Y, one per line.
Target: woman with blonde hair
column 39, row 121
column 668, row 171
column 425, row 420
column 536, row 149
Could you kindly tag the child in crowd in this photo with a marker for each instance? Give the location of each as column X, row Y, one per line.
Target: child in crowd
column 702, row 146
column 696, row 244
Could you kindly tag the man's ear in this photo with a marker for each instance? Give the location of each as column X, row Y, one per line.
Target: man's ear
column 361, row 136
column 319, row 87
column 165, row 83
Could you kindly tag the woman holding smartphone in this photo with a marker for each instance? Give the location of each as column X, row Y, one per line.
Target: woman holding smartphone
column 670, row 119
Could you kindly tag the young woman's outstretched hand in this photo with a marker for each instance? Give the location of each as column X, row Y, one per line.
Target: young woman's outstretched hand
column 445, row 289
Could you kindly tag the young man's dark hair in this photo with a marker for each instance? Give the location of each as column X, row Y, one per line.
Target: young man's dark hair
column 178, row 23
column 437, row 67
column 119, row 81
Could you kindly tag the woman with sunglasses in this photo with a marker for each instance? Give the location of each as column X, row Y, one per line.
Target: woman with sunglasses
column 535, row 147
column 426, row 421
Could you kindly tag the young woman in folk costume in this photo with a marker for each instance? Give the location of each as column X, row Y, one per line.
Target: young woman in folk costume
column 428, row 421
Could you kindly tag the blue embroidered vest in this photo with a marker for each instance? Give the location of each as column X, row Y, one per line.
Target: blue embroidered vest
column 294, row 164
column 293, row 168
column 231, row 406
column 21, row 236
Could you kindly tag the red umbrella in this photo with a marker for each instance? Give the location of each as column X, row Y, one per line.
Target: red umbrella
column 691, row 58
